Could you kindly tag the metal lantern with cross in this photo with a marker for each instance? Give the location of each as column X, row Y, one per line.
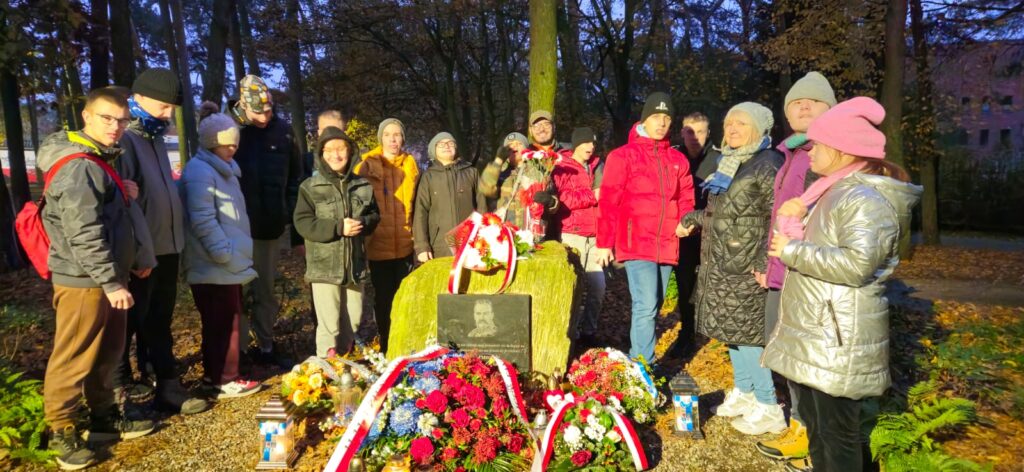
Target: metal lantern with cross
column 277, row 435
column 685, row 396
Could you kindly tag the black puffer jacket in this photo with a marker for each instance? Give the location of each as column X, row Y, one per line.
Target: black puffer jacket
column 325, row 200
column 729, row 301
column 445, row 195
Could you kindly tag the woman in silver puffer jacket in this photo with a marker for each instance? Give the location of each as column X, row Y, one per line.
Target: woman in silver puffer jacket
column 832, row 338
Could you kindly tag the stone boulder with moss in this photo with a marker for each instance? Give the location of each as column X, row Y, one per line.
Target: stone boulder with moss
column 552, row 277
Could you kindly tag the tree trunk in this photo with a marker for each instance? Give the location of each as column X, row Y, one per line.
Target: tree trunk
column 33, row 121
column 99, row 45
column 213, row 82
column 569, row 43
column 543, row 56
column 242, row 7
column 121, row 43
column 293, row 69
column 15, row 138
column 925, row 144
column 8, row 238
column 892, row 91
column 185, row 115
column 235, row 36
column 140, row 56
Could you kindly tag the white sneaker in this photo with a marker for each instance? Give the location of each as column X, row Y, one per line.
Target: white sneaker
column 237, row 388
column 736, row 403
column 762, row 419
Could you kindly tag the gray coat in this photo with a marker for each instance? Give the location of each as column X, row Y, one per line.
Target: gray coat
column 95, row 240
column 218, row 248
column 833, row 329
column 145, row 162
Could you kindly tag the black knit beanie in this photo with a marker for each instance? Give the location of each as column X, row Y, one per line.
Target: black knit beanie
column 582, row 135
column 159, row 84
column 658, row 102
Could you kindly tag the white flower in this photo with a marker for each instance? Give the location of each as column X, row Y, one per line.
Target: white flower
column 613, row 436
column 572, row 436
column 615, row 404
column 641, row 417
column 593, row 421
column 594, row 432
column 426, row 423
column 473, row 258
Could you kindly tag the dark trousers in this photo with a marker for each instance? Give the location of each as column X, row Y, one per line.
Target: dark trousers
column 386, row 276
column 149, row 321
column 686, row 282
column 220, row 307
column 834, row 430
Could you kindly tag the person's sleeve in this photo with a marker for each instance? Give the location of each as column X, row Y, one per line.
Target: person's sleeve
column 867, row 228
column 612, row 188
column 766, row 187
column 127, row 164
column 201, row 204
column 371, row 216
column 81, row 214
column 309, row 226
column 570, row 194
column 686, row 200
column 295, row 178
column 488, row 185
column 421, row 216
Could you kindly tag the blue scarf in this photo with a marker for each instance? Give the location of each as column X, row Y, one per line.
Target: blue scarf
column 152, row 126
column 729, row 162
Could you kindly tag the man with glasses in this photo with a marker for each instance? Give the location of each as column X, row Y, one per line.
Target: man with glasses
column 445, row 196
column 98, row 237
column 271, row 173
column 155, row 95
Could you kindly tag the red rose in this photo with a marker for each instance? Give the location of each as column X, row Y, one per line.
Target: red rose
column 475, row 425
column 515, row 443
column 449, row 453
column 437, row 433
column 580, row 458
column 586, row 359
column 460, row 418
column 436, row 402
column 584, row 413
column 421, row 449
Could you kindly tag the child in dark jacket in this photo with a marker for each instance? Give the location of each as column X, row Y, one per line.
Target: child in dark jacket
column 334, row 212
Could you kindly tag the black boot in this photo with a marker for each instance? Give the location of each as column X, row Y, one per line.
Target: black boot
column 72, row 452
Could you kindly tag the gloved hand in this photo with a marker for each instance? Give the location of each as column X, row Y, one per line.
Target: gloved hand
column 544, row 198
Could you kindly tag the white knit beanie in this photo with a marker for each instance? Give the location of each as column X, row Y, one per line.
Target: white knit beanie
column 218, row 129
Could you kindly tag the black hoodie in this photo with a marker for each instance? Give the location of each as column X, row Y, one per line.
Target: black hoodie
column 324, row 201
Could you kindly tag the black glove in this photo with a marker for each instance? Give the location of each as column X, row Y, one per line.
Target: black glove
column 544, row 198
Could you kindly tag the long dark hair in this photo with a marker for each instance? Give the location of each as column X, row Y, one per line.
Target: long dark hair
column 883, row 167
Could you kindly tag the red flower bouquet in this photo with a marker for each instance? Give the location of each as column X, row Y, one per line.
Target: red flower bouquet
column 609, row 375
column 586, row 434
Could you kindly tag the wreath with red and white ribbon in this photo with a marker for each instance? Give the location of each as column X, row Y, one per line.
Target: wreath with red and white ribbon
column 483, row 242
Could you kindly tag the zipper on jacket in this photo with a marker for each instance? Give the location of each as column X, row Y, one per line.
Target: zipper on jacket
column 629, row 234
column 835, row 322
column 661, row 215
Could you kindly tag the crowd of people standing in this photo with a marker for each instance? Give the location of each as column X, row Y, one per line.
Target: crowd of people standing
column 780, row 250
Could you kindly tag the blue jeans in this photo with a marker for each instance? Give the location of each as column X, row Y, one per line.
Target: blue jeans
column 647, row 284
column 749, row 376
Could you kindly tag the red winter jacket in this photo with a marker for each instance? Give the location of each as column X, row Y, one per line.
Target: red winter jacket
column 577, row 211
column 646, row 191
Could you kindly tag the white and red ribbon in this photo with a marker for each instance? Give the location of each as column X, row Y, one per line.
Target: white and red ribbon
column 459, row 265
column 629, row 436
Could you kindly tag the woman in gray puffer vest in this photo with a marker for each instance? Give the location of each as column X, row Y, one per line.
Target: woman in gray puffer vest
column 832, row 338
column 218, row 250
column 729, row 299
column 335, row 211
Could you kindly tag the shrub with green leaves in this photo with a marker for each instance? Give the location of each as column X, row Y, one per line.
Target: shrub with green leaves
column 906, row 441
column 21, row 417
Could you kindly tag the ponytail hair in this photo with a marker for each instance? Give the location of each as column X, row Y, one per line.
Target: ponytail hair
column 208, row 108
column 884, row 168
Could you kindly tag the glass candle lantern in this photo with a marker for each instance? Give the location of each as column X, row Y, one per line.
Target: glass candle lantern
column 686, row 413
column 277, row 436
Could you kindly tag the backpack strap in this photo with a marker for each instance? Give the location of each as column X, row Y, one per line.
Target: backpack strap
column 100, row 162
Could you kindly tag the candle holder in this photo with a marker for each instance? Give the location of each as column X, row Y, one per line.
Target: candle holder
column 685, row 404
column 277, row 435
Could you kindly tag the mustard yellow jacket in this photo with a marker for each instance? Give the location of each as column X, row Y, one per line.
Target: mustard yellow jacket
column 394, row 188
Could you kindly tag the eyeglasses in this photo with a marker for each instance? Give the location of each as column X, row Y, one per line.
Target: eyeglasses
column 109, row 120
column 541, row 125
column 448, row 144
column 335, row 151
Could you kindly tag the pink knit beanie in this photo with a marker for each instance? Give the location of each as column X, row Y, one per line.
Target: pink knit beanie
column 852, row 127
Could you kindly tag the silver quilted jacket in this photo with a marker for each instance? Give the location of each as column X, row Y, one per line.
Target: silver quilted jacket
column 833, row 330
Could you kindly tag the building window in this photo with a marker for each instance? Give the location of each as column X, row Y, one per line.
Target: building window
column 1004, row 138
column 983, row 138
column 963, row 138
column 1007, row 102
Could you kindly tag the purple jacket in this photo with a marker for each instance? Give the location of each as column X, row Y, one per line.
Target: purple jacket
column 793, row 178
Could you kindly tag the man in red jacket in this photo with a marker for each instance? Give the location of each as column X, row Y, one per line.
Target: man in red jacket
column 646, row 190
column 574, row 180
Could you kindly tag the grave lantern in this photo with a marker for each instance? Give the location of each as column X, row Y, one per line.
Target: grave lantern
column 277, row 435
column 685, row 396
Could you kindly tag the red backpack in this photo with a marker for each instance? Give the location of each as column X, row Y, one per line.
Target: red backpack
column 29, row 223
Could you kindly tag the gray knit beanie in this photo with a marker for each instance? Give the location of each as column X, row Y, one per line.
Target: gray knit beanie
column 762, row 116
column 516, row 136
column 218, row 129
column 385, row 123
column 432, row 147
column 814, row 86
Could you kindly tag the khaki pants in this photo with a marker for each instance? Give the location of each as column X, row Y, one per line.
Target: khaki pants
column 339, row 310
column 587, row 247
column 87, row 348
